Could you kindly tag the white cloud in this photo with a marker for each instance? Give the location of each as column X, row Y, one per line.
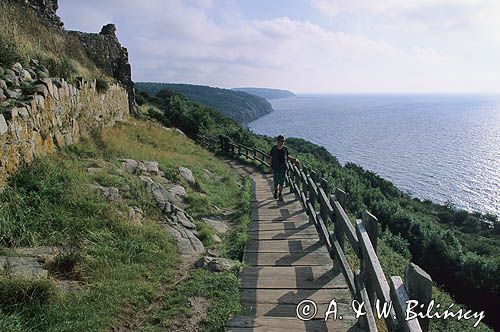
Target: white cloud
column 179, row 41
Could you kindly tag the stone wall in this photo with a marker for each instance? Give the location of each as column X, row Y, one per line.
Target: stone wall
column 109, row 55
column 56, row 114
column 45, row 9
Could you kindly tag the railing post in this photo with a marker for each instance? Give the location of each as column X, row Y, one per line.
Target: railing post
column 371, row 226
column 339, row 231
column 418, row 285
column 325, row 185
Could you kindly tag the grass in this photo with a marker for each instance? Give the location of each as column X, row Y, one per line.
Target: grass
column 125, row 268
column 24, row 36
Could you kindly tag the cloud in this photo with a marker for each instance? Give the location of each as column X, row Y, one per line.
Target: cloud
column 191, row 42
column 430, row 15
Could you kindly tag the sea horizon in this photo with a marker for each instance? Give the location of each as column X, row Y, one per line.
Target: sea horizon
column 389, row 134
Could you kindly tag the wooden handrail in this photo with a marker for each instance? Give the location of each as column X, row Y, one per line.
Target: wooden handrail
column 369, row 284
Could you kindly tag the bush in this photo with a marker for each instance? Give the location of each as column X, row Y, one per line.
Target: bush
column 101, row 85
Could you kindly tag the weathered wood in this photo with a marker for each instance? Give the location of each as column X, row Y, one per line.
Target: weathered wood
column 399, row 300
column 371, row 225
column 372, row 228
column 286, row 259
column 372, row 270
column 293, row 296
column 280, row 235
column 281, row 226
column 341, row 262
column 280, row 324
column 285, row 246
column 290, row 310
column 325, row 208
column 345, row 225
column 298, row 277
column 323, row 232
column 419, row 287
column 367, row 321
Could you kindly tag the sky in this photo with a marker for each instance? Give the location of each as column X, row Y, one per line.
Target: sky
column 306, row 46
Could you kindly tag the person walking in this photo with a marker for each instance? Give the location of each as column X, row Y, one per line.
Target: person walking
column 278, row 157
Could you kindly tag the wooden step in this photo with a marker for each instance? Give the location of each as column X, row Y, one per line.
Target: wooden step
column 300, row 277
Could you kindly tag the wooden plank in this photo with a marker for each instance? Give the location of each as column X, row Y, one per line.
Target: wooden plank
column 294, row 296
column 282, row 226
column 418, row 284
column 280, row 324
column 297, row 218
column 346, row 225
column 289, row 246
column 290, row 310
column 399, row 299
column 342, row 263
column 367, row 321
column 286, row 259
column 281, row 277
column 277, row 235
column 376, row 274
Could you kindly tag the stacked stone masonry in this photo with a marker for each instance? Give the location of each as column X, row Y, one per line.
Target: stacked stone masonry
column 57, row 114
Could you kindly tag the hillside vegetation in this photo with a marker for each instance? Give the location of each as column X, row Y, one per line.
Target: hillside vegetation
column 239, row 106
column 267, row 93
column 459, row 249
column 114, row 270
column 24, row 36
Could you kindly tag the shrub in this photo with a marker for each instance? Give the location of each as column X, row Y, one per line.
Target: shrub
column 101, row 85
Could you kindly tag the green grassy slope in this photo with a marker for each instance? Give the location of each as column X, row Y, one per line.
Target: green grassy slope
column 129, row 273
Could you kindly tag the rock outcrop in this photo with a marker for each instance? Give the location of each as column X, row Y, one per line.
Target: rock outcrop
column 169, row 198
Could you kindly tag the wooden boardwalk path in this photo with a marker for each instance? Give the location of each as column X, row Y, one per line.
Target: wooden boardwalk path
column 286, row 265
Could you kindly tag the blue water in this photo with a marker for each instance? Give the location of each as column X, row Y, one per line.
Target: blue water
column 437, row 147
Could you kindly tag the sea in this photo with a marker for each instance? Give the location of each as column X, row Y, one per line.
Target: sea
column 444, row 148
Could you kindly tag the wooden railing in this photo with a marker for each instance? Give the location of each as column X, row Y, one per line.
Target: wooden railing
column 366, row 280
column 223, row 144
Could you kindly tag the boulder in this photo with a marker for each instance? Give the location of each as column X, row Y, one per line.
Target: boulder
column 12, row 81
column 182, row 218
column 41, row 89
column 189, row 245
column 3, row 85
column 2, row 96
column 11, row 94
column 17, row 67
column 160, row 194
column 111, row 193
column 178, row 192
column 214, row 264
column 129, row 165
column 187, row 175
column 217, row 224
column 25, row 76
column 152, row 168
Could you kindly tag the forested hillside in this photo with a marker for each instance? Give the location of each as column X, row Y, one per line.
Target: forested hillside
column 240, row 106
column 267, row 93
